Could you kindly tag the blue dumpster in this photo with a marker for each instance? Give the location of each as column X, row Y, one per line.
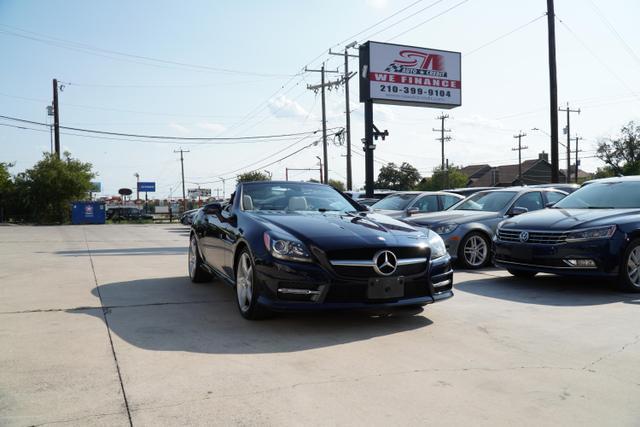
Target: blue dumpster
column 88, row 213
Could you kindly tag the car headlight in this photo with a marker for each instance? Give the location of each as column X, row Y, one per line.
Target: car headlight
column 438, row 248
column 289, row 250
column 592, row 234
column 444, row 228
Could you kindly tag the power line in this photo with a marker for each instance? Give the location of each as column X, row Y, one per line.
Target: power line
column 455, row 6
column 507, row 34
column 403, row 19
column 164, row 137
column 625, row 45
column 82, row 47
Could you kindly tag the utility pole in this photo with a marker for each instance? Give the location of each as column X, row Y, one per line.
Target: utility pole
column 56, row 119
column 446, row 180
column 519, row 150
column 322, row 87
column 137, row 175
column 320, row 166
column 568, row 130
column 184, row 196
column 578, row 138
column 347, row 111
column 553, row 92
column 442, row 138
column 223, row 186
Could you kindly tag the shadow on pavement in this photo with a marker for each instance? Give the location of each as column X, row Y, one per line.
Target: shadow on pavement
column 549, row 290
column 179, row 250
column 172, row 314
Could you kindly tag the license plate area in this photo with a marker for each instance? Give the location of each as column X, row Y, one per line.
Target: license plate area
column 385, row 288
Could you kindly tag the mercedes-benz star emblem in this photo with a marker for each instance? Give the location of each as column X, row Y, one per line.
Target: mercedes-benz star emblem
column 385, row 263
column 524, row 236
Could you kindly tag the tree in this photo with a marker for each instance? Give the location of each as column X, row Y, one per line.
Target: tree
column 622, row 154
column 6, row 189
column 44, row 193
column 392, row 177
column 253, row 176
column 439, row 181
column 337, row 184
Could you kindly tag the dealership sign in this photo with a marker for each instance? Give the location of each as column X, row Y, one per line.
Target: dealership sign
column 147, row 187
column 407, row 75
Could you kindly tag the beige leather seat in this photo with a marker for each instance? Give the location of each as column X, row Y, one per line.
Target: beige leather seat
column 298, row 203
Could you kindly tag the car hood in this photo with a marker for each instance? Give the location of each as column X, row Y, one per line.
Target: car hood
column 332, row 230
column 567, row 219
column 452, row 217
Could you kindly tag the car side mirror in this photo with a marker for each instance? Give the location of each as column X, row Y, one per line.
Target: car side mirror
column 412, row 211
column 518, row 210
column 549, row 205
column 213, row 209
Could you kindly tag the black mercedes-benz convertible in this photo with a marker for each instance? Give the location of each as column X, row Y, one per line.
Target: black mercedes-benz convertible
column 305, row 246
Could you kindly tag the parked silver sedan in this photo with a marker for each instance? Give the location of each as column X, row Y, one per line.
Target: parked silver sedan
column 406, row 203
column 468, row 227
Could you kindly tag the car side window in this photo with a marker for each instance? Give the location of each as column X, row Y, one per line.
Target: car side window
column 530, row 201
column 427, row 204
column 448, row 201
column 554, row 196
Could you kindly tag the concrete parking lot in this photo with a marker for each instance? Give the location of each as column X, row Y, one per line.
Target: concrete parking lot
column 100, row 325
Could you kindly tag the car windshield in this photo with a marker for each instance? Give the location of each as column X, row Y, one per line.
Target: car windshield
column 604, row 195
column 492, row 201
column 395, row 202
column 293, row 197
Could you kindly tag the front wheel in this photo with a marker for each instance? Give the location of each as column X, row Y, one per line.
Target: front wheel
column 246, row 288
column 474, row 251
column 197, row 274
column 630, row 271
column 523, row 274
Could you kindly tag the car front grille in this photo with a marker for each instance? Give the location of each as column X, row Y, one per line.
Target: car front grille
column 359, row 263
column 538, row 237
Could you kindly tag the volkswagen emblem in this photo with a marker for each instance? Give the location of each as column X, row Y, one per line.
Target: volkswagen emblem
column 524, row 236
column 385, row 263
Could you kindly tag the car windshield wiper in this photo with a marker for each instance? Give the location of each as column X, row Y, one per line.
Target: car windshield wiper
column 600, row 207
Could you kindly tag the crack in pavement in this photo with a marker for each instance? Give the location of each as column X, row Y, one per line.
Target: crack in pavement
column 635, row 341
column 106, row 322
column 68, row 420
column 109, row 307
column 142, row 407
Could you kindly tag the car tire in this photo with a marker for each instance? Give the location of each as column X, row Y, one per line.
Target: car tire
column 246, row 288
column 197, row 273
column 523, row 274
column 474, row 251
column 630, row 269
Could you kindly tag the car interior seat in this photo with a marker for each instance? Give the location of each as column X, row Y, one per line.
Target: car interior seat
column 298, row 203
column 247, row 202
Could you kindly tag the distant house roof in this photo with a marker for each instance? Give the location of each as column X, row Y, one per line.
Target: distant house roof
column 475, row 171
column 506, row 175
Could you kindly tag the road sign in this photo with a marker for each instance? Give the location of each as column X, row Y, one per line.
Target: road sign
column 147, row 187
column 96, row 187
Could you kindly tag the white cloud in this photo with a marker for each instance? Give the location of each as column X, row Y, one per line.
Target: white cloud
column 283, row 106
column 213, row 127
column 179, row 128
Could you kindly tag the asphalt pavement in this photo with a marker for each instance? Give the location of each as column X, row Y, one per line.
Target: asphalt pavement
column 100, row 325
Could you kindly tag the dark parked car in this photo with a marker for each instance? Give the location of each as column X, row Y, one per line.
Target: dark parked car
column 305, row 246
column 468, row 227
column 126, row 213
column 594, row 231
column 406, row 203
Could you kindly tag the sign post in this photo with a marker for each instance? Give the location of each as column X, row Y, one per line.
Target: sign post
column 404, row 75
column 146, row 187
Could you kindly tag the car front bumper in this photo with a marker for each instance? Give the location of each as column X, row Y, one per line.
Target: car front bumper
column 318, row 288
column 545, row 258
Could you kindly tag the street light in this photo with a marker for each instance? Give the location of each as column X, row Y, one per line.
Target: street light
column 137, row 175
column 223, row 180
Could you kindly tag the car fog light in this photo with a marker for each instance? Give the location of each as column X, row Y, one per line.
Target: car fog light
column 581, row 263
column 441, row 284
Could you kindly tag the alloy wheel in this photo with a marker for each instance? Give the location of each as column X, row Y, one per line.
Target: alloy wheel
column 633, row 266
column 244, row 282
column 193, row 258
column 475, row 251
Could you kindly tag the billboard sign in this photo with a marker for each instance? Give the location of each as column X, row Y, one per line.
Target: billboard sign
column 407, row 75
column 147, row 187
column 194, row 193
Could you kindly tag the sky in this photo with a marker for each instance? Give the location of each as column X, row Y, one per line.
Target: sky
column 235, row 69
